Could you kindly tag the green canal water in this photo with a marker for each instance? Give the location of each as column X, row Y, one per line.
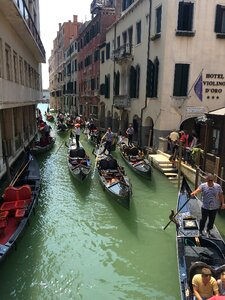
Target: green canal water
column 82, row 245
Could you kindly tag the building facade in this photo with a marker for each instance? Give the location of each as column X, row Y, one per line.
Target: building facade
column 90, row 41
column 21, row 55
column 164, row 51
column 58, row 78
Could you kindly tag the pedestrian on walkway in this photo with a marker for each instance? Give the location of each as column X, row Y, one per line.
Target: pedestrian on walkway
column 212, row 201
column 173, row 137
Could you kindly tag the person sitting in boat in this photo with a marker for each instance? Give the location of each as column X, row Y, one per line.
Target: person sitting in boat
column 221, row 284
column 204, row 285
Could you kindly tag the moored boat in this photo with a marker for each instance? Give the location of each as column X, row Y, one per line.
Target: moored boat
column 43, row 145
column 78, row 161
column 135, row 160
column 49, row 117
column 17, row 204
column 114, row 180
column 195, row 251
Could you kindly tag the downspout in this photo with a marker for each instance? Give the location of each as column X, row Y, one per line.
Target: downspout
column 148, row 51
column 114, row 68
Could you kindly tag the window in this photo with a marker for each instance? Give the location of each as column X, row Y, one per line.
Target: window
column 102, row 56
column 220, row 21
column 118, row 42
column 117, row 83
column 137, row 80
column 8, row 62
column 134, row 81
column 107, row 51
column 152, row 78
column 185, row 16
column 138, row 32
column 158, row 20
column 181, row 80
column 1, row 60
column 126, row 4
column 107, row 86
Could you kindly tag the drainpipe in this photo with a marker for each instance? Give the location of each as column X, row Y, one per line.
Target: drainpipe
column 148, row 51
column 114, row 68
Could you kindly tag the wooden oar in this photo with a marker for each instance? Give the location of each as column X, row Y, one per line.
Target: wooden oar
column 96, row 159
column 19, row 173
column 172, row 216
column 60, row 147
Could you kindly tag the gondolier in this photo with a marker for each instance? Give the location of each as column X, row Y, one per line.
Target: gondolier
column 212, row 200
column 130, row 132
column 108, row 137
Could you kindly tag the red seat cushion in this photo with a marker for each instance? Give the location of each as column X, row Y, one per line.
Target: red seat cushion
column 24, row 192
column 8, row 205
column 10, row 194
column 20, row 213
column 13, row 194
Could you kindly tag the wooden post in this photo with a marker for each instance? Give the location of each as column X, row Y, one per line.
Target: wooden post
column 221, row 175
column 196, row 177
column 149, row 141
column 179, row 164
column 216, row 170
column 5, row 151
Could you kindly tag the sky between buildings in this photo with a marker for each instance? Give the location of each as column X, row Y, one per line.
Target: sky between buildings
column 53, row 12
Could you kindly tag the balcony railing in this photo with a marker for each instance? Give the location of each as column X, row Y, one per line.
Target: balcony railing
column 19, row 17
column 123, row 53
column 121, row 101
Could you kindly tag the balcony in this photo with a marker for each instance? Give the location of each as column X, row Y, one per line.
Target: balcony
column 122, row 101
column 17, row 14
column 98, row 4
column 123, row 54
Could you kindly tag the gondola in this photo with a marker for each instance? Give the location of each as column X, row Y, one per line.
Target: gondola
column 194, row 251
column 49, row 117
column 17, row 204
column 113, row 179
column 42, row 146
column 78, row 162
column 61, row 128
column 135, row 160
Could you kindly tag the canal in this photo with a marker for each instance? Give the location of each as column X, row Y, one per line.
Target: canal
column 82, row 245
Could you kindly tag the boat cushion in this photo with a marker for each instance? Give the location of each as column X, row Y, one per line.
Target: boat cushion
column 112, row 164
column 13, row 194
column 103, row 164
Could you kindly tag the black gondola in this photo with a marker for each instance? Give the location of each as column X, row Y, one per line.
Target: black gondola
column 17, row 204
column 78, row 162
column 195, row 251
column 135, row 160
column 114, row 179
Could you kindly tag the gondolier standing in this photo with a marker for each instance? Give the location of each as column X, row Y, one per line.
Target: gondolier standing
column 212, row 200
column 130, row 132
column 109, row 137
column 77, row 134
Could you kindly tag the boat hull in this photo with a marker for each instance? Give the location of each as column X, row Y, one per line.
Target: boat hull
column 79, row 165
column 195, row 251
column 37, row 149
column 15, row 225
column 139, row 165
column 115, row 182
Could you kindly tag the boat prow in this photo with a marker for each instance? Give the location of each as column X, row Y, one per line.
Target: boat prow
column 195, row 251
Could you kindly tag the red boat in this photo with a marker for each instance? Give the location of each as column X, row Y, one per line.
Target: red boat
column 17, row 204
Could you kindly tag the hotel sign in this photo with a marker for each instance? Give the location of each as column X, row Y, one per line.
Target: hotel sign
column 213, row 84
column 195, row 110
